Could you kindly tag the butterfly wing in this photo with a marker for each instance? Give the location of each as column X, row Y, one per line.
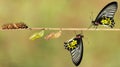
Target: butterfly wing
column 77, row 53
column 108, row 11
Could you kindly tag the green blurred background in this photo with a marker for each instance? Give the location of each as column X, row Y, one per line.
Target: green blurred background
column 101, row 48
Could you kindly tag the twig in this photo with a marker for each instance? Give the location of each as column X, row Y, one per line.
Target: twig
column 68, row 29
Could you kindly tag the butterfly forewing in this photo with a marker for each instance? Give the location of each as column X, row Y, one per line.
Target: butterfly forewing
column 77, row 53
column 108, row 11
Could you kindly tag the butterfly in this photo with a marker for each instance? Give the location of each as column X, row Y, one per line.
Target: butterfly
column 75, row 47
column 106, row 15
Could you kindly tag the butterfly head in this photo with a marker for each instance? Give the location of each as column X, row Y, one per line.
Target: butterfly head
column 79, row 36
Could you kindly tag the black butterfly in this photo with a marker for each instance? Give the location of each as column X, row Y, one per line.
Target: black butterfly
column 105, row 17
column 75, row 46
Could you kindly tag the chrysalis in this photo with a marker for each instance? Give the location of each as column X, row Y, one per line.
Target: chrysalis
column 50, row 36
column 37, row 35
column 58, row 34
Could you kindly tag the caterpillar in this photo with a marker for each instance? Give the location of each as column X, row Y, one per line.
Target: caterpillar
column 20, row 25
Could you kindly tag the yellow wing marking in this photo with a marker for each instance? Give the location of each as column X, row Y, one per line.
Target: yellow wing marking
column 72, row 45
column 106, row 21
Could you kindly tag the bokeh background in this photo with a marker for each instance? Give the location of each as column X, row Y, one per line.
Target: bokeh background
column 101, row 48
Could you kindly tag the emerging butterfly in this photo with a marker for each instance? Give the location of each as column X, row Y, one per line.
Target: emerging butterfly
column 106, row 15
column 75, row 46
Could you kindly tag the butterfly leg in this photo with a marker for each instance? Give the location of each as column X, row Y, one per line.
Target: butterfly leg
column 90, row 26
column 112, row 24
column 95, row 27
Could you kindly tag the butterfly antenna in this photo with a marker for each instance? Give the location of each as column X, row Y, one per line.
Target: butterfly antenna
column 91, row 18
column 87, row 40
column 90, row 26
column 81, row 32
column 75, row 32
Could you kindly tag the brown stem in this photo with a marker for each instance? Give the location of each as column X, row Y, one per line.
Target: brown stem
column 68, row 29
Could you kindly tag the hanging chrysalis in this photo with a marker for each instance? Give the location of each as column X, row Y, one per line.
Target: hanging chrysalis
column 58, row 34
column 53, row 35
column 37, row 35
column 75, row 47
column 50, row 36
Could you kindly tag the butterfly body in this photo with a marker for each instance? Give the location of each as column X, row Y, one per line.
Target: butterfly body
column 106, row 15
column 104, row 21
column 75, row 47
